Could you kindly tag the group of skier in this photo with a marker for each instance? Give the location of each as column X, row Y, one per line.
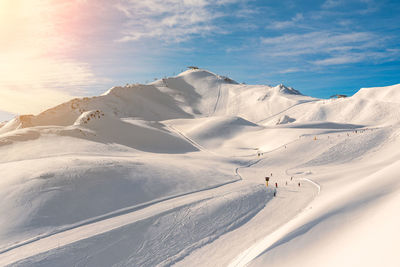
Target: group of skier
column 276, row 183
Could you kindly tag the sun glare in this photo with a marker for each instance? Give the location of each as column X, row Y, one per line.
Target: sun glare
column 34, row 55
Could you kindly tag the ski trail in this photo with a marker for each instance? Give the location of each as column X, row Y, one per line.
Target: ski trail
column 194, row 143
column 113, row 220
column 191, row 141
column 247, row 253
column 280, row 112
column 200, row 147
column 252, row 252
column 113, row 214
column 314, row 183
column 102, row 225
column 218, row 97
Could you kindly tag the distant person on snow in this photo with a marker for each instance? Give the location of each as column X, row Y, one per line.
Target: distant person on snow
column 274, row 192
column 299, row 184
column 276, row 185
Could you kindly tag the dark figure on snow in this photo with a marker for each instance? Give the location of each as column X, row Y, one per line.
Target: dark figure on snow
column 299, row 184
column 276, row 185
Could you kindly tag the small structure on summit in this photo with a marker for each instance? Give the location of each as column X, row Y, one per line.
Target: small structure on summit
column 338, row 96
column 193, row 67
column 228, row 80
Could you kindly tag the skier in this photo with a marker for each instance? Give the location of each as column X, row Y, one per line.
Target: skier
column 299, row 184
column 274, row 192
column 291, row 178
column 266, row 180
column 276, row 185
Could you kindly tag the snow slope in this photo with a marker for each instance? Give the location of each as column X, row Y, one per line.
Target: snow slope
column 370, row 106
column 141, row 101
column 172, row 173
column 202, row 93
column 355, row 225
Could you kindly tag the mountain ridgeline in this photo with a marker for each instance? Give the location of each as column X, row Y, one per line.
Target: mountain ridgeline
column 201, row 93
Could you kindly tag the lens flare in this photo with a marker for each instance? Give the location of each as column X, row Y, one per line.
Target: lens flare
column 37, row 67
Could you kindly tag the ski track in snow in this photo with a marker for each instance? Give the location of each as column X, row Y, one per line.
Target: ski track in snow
column 217, row 101
column 105, row 223
column 113, row 220
column 252, row 252
column 285, row 110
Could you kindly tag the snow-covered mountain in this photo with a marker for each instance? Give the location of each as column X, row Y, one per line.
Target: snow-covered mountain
column 173, row 172
column 193, row 93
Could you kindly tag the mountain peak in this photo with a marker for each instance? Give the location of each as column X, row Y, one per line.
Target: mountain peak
column 286, row 90
column 203, row 73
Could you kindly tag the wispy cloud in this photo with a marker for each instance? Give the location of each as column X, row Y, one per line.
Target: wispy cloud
column 366, row 6
column 171, row 20
column 318, row 42
column 289, row 70
column 331, row 3
column 294, row 22
column 338, row 60
column 328, row 48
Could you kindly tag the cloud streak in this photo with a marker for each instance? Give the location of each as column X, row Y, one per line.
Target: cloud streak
column 324, row 48
column 171, row 20
column 294, row 22
column 318, row 42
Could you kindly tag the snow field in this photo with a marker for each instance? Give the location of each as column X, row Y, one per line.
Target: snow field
column 172, row 173
column 152, row 238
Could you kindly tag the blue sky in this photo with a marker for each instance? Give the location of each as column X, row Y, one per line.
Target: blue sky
column 318, row 47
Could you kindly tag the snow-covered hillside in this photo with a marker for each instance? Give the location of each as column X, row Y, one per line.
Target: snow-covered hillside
column 370, row 106
column 173, row 173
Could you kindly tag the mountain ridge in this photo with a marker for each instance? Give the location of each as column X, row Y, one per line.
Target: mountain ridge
column 202, row 93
